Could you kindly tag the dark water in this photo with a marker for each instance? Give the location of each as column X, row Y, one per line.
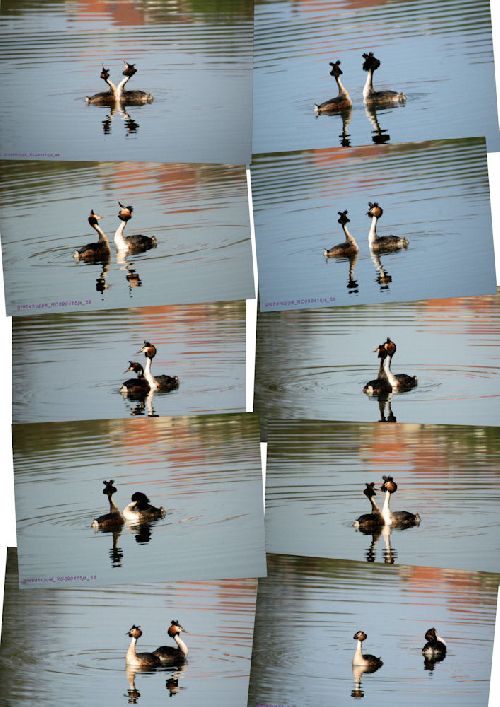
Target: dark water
column 205, row 471
column 68, row 646
column 439, row 54
column 450, row 475
column 308, row 610
column 194, row 57
column 314, row 363
column 198, row 213
column 71, row 366
column 434, row 193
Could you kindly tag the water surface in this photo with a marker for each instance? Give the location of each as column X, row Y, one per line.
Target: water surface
column 439, row 54
column 195, row 59
column 198, row 214
column 308, row 610
column 449, row 475
column 68, row 641
column 433, row 193
column 313, row 363
column 71, row 366
column 205, row 471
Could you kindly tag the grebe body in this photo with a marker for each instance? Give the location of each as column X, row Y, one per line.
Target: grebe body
column 162, row 383
column 131, row 244
column 140, row 509
column 349, row 247
column 342, row 102
column 168, row 654
column 435, row 648
column 399, row 382
column 378, row 98
column 379, row 385
column 114, row 518
column 145, row 661
column 94, row 252
column 364, row 660
column 135, row 387
column 396, row 519
column 382, row 244
column 370, row 521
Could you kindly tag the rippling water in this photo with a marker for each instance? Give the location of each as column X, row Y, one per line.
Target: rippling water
column 435, row 194
column 449, row 475
column 71, row 366
column 308, row 610
column 198, row 213
column 195, row 58
column 72, row 642
column 439, row 54
column 204, row 471
column 314, row 363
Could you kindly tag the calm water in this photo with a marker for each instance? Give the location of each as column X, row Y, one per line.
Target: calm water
column 439, row 54
column 204, row 471
column 71, row 366
column 72, row 642
column 194, row 57
column 314, row 363
column 309, row 609
column 435, row 194
column 198, row 213
column 449, row 475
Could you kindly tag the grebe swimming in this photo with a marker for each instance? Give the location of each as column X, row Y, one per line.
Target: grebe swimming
column 349, row 246
column 374, row 520
column 139, row 660
column 379, row 385
column 140, row 509
column 399, row 382
column 380, row 98
column 116, row 94
column 135, row 387
column 163, row 383
column 435, row 648
column 169, row 654
column 367, row 660
column 94, row 252
column 397, row 519
column 131, row 244
column 114, row 518
column 342, row 102
column 382, row 243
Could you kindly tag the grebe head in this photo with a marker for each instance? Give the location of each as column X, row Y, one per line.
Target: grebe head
column 140, row 499
column 135, row 367
column 369, row 491
column 94, row 218
column 371, row 63
column 381, row 351
column 105, row 74
column 134, row 632
column 148, row 349
column 390, row 346
column 389, row 484
column 125, row 213
column 360, row 636
column 175, row 628
column 336, row 71
column 374, row 209
column 109, row 489
column 129, row 69
column 431, row 634
column 343, row 219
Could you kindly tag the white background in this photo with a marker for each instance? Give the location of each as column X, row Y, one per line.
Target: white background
column 7, row 514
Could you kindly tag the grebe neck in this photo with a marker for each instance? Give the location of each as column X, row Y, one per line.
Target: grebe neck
column 181, row 645
column 368, row 87
column 119, row 89
column 348, row 236
column 358, row 654
column 375, row 507
column 372, row 236
column 102, row 236
column 342, row 88
column 390, row 375
column 112, row 506
column 132, row 653
column 119, row 238
column 386, row 511
column 149, row 376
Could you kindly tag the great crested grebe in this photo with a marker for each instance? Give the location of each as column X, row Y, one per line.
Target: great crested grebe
column 114, row 518
column 349, row 246
column 94, row 252
column 373, row 520
column 116, row 94
column 398, row 519
column 382, row 243
column 390, row 347
column 135, row 387
column 380, row 98
column 131, row 244
column 367, row 660
column 169, row 654
column 162, row 382
column 435, row 648
column 379, row 385
column 399, row 382
column 140, row 509
column 139, row 660
column 342, row 102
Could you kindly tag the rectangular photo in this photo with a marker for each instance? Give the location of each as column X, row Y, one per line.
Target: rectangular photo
column 369, row 225
column 150, row 361
column 127, row 80
column 328, row 632
column 394, row 494
column 353, row 73
column 430, row 361
column 124, row 501
column 77, row 645
column 96, row 235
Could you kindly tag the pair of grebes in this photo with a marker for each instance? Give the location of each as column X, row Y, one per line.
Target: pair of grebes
column 145, row 382
column 387, row 382
column 116, row 95
column 385, row 516
column 137, row 512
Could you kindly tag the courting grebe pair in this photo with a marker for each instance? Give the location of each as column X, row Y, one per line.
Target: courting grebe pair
column 139, row 510
column 145, row 380
column 162, row 656
column 342, row 102
column 387, row 382
column 378, row 518
column 116, row 94
column 377, row 244
column 434, row 650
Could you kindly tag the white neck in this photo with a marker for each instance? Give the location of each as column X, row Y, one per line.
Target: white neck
column 342, row 89
column 390, row 375
column 375, row 508
column 120, row 87
column 149, row 376
column 368, row 87
column 131, row 656
column 358, row 654
column 348, row 236
column 386, row 511
column 102, row 235
column 112, row 86
column 373, row 231
column 119, row 238
column 181, row 645
column 112, row 507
